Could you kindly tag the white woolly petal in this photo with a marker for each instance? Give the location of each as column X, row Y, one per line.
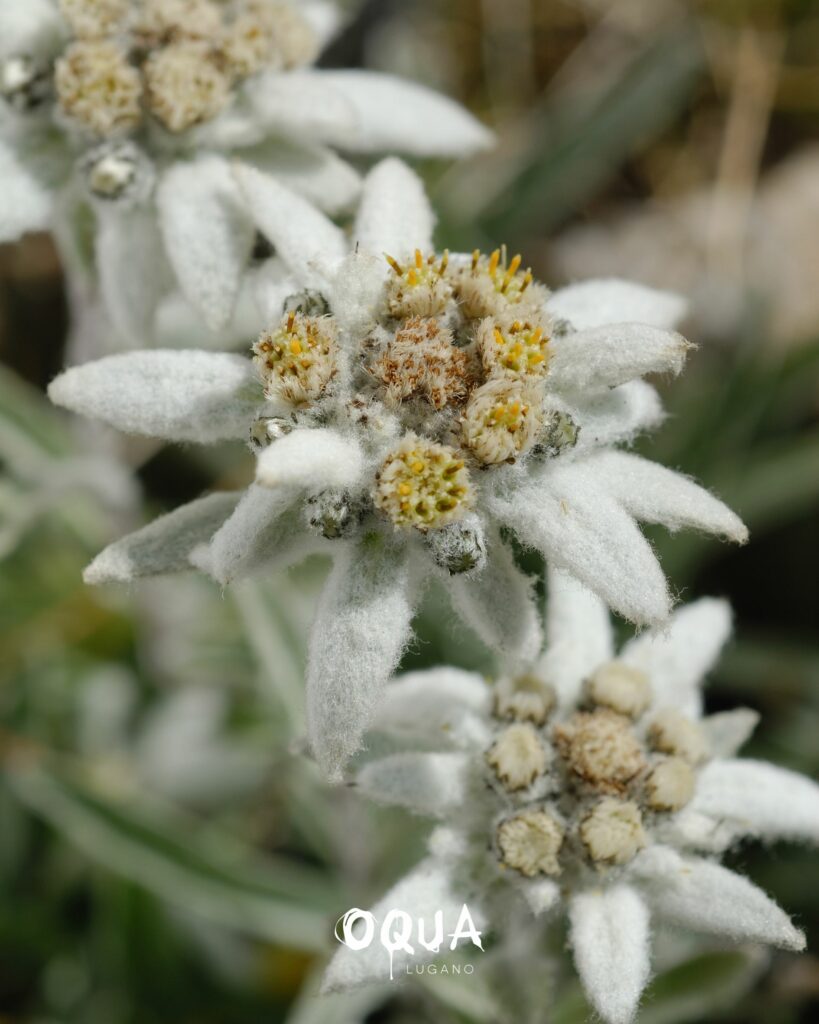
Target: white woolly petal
column 300, row 105
column 610, row 939
column 395, row 115
column 395, row 215
column 208, row 234
column 678, row 658
column 164, row 546
column 442, row 704
column 178, row 396
column 581, row 530
column 315, row 172
column 31, row 26
column 619, row 415
column 611, row 301
column 313, row 460
column 356, row 292
column 601, row 357
column 432, row 784
column 759, row 799
column 304, row 238
column 133, row 272
column 253, row 534
column 707, row 897
column 361, row 628
column 324, row 18
column 541, row 894
column 655, row 494
column 498, row 603
column 428, row 888
column 578, row 635
column 271, row 285
column 729, row 731
column 25, row 205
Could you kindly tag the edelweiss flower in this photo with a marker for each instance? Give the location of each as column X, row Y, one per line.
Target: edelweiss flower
column 385, row 420
column 592, row 785
column 137, row 107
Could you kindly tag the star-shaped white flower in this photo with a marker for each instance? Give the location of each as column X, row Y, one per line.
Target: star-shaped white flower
column 405, row 444
column 132, row 109
column 591, row 786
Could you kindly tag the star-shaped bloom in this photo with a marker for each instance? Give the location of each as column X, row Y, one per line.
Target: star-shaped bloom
column 119, row 119
column 406, row 411
column 590, row 785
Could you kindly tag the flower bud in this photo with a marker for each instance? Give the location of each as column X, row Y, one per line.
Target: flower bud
column 524, row 698
column 268, row 429
column 118, row 172
column 502, row 420
column 423, row 484
column 600, row 748
column 25, row 83
column 613, row 832
column 620, row 687
column 419, row 289
column 517, row 757
column 670, row 786
column 559, row 433
column 458, row 548
column 530, row 842
column 334, row 514
column 98, row 87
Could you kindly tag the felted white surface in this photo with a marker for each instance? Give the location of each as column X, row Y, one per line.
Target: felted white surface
column 25, row 204
column 611, row 301
column 578, row 635
column 302, row 235
column 618, row 416
column 610, row 939
column 582, row 530
column 252, row 534
column 395, row 115
column 498, row 603
column 601, row 357
column 707, row 897
column 208, row 234
column 361, row 627
column 29, row 27
column 762, row 799
column 313, row 171
column 178, row 396
column 729, row 731
column 394, row 216
column 430, row 784
column 678, row 658
column 445, row 705
column 164, row 546
column 313, row 460
column 133, row 272
column 655, row 494
column 300, row 105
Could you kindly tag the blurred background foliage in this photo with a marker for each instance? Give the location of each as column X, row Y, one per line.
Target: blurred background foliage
column 166, row 854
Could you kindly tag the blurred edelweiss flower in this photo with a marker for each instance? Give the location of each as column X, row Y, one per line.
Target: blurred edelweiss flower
column 591, row 784
column 137, row 106
column 405, row 411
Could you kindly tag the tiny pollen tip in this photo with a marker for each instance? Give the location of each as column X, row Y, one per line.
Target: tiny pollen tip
column 476, row 256
column 493, row 262
column 419, row 259
column 396, row 266
column 444, row 261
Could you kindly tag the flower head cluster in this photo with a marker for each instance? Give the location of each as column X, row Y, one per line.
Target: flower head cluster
column 405, row 412
column 592, row 783
column 170, row 92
